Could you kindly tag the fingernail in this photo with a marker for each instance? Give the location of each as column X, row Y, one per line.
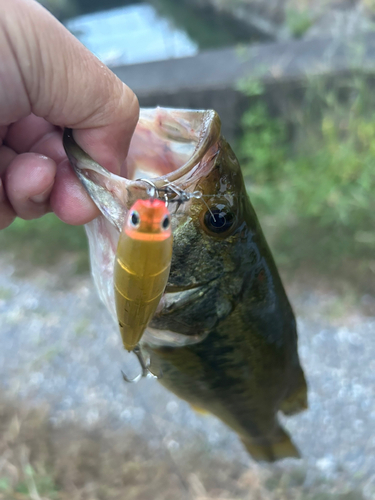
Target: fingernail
column 42, row 197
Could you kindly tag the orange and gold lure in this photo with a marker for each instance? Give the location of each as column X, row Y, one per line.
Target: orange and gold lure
column 142, row 265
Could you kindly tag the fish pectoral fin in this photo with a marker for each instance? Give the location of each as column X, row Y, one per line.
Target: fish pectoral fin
column 200, row 410
column 271, row 450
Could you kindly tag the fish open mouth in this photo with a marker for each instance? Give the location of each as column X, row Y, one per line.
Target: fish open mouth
column 168, row 146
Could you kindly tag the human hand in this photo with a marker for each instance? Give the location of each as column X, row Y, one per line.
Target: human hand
column 49, row 80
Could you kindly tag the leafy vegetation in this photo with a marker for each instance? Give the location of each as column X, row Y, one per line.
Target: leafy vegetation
column 298, row 21
column 44, row 242
column 311, row 175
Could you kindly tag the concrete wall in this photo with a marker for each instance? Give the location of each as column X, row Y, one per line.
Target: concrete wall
column 209, row 80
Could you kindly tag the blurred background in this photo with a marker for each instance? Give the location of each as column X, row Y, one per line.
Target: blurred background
column 293, row 82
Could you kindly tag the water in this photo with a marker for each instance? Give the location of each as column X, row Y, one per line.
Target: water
column 131, row 34
column 163, row 29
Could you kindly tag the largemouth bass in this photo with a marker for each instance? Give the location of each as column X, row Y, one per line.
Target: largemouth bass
column 224, row 334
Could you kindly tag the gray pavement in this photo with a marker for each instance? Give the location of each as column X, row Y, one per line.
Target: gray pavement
column 59, row 346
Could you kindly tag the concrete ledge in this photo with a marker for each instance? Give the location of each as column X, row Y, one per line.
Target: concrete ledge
column 209, row 79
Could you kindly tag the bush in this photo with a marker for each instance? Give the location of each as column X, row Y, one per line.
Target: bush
column 322, row 182
column 45, row 242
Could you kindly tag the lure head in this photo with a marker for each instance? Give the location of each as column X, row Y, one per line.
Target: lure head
column 148, row 220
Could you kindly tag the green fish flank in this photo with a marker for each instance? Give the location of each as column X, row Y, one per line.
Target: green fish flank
column 247, row 367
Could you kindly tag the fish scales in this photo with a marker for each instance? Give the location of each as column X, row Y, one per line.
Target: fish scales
column 248, row 364
column 224, row 334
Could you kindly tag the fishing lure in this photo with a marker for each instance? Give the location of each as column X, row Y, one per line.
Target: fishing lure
column 142, row 265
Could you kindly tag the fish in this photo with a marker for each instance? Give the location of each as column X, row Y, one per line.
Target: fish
column 143, row 260
column 224, row 333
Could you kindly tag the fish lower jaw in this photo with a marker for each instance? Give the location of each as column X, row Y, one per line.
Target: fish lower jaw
column 174, row 300
column 166, row 338
column 171, row 289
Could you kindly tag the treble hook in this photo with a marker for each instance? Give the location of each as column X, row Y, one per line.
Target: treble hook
column 183, row 196
column 152, row 191
column 171, row 189
column 145, row 373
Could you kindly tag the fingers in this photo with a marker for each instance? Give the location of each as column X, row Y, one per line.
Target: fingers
column 29, row 180
column 35, row 186
column 45, row 71
column 7, row 214
column 69, row 200
column 57, row 78
column 25, row 133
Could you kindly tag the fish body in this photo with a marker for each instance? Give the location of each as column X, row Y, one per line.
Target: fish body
column 141, row 270
column 224, row 334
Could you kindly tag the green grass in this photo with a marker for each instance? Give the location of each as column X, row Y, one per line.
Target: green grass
column 311, row 176
column 5, row 293
column 37, row 485
column 298, row 21
column 44, row 242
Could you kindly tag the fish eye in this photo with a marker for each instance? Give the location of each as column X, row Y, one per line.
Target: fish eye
column 134, row 218
column 218, row 219
column 166, row 222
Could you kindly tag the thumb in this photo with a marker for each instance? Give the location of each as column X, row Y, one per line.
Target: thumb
column 48, row 72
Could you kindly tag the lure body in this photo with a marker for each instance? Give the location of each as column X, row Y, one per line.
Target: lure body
column 142, row 265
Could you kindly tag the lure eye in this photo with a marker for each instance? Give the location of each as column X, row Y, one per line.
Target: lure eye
column 166, row 222
column 134, row 218
column 218, row 219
